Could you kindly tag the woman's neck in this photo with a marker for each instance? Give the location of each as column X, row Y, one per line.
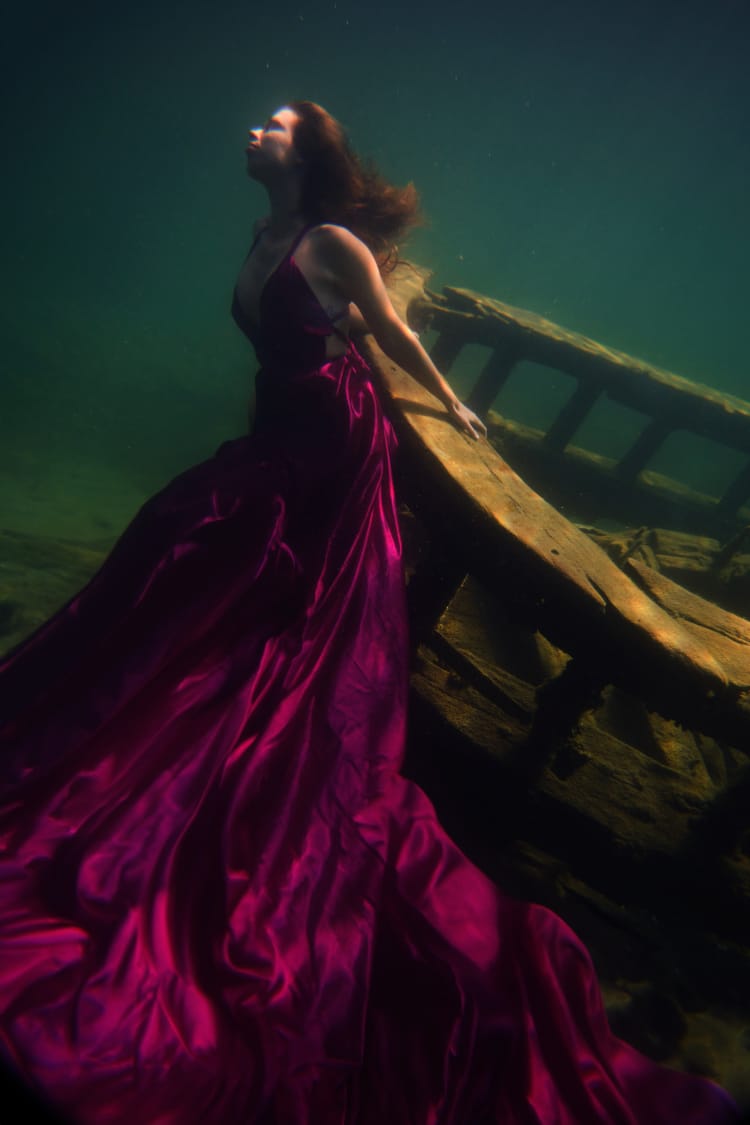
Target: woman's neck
column 285, row 214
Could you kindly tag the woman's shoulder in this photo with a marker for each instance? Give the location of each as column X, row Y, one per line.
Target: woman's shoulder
column 330, row 231
column 341, row 254
column 334, row 238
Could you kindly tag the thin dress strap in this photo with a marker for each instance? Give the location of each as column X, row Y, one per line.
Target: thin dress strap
column 298, row 239
column 292, row 248
column 336, row 331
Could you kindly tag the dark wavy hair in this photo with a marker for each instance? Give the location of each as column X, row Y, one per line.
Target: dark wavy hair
column 339, row 187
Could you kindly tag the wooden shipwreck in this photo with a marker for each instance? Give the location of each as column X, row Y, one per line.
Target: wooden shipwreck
column 586, row 691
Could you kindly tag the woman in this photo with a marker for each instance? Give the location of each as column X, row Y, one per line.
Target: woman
column 219, row 900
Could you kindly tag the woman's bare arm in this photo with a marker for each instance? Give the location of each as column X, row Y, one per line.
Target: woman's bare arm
column 357, row 272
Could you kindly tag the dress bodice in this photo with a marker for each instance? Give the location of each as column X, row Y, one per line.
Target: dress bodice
column 293, row 326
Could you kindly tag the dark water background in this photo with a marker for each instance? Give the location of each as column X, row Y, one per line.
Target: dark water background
column 588, row 161
column 585, row 160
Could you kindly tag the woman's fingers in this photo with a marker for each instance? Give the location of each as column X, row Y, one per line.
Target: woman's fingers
column 469, row 421
column 479, row 427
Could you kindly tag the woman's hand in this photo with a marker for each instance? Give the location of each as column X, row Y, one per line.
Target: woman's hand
column 467, row 420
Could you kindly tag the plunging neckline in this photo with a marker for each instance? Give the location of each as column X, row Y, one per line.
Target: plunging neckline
column 292, row 247
column 252, row 326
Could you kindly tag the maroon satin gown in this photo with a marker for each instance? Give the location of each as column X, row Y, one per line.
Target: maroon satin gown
column 219, row 900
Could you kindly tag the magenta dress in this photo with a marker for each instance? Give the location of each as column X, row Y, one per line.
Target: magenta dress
column 220, row 902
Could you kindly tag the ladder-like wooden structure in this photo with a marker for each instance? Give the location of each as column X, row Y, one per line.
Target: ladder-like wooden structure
column 668, row 403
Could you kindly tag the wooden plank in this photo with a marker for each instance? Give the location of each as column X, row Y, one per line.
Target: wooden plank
column 724, row 634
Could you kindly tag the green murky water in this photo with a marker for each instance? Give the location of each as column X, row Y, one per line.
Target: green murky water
column 584, row 162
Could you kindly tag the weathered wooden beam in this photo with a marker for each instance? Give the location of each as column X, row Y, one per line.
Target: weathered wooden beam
column 640, row 453
column 729, row 550
column 561, row 704
column 446, row 349
column 571, row 416
column 492, row 378
column 431, row 588
column 736, row 494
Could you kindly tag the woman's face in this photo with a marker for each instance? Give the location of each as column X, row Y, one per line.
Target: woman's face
column 270, row 149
